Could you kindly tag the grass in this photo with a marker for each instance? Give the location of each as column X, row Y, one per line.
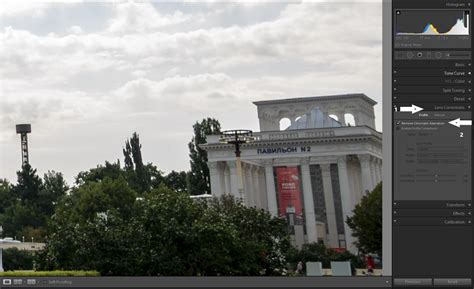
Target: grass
column 49, row 274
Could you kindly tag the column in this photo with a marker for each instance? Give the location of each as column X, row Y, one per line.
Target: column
column 358, row 178
column 372, row 171
column 292, row 119
column 330, row 208
column 356, row 118
column 347, row 206
column 234, row 187
column 381, row 169
column 249, row 193
column 360, row 118
column 366, row 173
column 262, row 188
column 351, row 172
column 227, row 180
column 216, row 189
column 310, row 217
column 256, row 187
column 271, row 193
column 378, row 172
column 340, row 117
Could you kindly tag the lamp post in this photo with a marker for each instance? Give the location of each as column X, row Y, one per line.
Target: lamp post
column 237, row 137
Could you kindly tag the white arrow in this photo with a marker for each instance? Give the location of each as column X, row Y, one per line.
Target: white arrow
column 413, row 109
column 458, row 122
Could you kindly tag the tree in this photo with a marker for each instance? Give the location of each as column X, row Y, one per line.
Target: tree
column 176, row 181
column 6, row 195
column 198, row 180
column 366, row 222
column 89, row 229
column 109, row 170
column 23, row 213
column 261, row 241
column 167, row 233
column 93, row 198
column 23, row 220
column 29, row 184
column 127, row 153
column 54, row 187
column 137, row 174
column 15, row 259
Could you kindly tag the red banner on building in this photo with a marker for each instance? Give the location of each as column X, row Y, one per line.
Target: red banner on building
column 289, row 191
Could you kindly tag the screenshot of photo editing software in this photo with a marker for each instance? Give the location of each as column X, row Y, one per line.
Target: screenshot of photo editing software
column 242, row 144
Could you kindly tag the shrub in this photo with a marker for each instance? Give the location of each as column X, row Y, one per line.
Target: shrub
column 14, row 259
column 315, row 252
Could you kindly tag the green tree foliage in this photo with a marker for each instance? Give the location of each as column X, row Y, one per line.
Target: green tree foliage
column 316, row 252
column 92, row 198
column 29, row 184
column 54, row 187
column 199, row 176
column 177, row 181
column 138, row 175
column 109, row 170
column 87, row 227
column 6, row 195
column 14, row 259
column 262, row 241
column 366, row 222
column 29, row 203
column 20, row 219
column 167, row 234
column 127, row 153
column 154, row 175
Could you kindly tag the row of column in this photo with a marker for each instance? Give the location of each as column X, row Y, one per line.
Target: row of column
column 371, row 168
column 370, row 175
column 224, row 179
column 260, row 191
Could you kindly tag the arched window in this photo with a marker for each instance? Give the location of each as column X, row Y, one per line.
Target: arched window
column 284, row 123
column 350, row 120
column 333, row 116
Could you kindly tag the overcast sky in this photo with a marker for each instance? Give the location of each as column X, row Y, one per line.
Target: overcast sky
column 88, row 75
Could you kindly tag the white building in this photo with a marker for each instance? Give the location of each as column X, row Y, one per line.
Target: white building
column 318, row 168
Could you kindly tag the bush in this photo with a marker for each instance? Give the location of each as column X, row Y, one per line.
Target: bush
column 316, row 252
column 165, row 233
column 14, row 259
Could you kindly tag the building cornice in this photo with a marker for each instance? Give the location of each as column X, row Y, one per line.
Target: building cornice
column 299, row 141
column 331, row 98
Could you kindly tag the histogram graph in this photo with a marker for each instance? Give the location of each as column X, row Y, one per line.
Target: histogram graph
column 432, row 22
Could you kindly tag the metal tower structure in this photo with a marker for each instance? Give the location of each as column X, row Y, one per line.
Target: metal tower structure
column 24, row 130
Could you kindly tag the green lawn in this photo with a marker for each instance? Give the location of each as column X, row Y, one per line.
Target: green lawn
column 49, row 274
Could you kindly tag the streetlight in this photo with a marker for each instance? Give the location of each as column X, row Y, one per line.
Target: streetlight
column 237, row 137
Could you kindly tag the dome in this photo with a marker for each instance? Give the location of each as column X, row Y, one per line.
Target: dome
column 314, row 119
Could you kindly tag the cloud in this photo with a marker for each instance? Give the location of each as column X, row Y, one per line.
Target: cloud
column 303, row 32
column 75, row 29
column 139, row 17
column 154, row 69
column 10, row 9
column 183, row 94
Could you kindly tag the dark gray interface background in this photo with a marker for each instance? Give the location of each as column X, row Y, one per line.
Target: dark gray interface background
column 432, row 158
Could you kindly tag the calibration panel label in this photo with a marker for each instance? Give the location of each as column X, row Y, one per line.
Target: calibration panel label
column 432, row 142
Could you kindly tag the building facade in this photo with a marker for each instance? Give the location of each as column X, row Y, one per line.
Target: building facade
column 313, row 172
